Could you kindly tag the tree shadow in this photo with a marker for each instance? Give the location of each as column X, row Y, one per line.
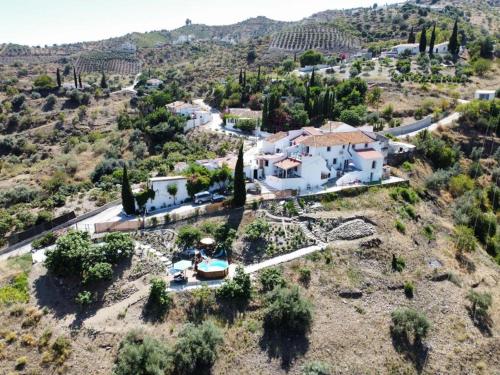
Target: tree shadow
column 416, row 352
column 58, row 294
column 228, row 311
column 483, row 323
column 285, row 346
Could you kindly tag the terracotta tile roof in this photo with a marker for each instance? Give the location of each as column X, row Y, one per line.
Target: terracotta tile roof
column 311, row 130
column 276, row 137
column 300, row 138
column 335, row 139
column 370, row 153
column 287, row 163
column 246, row 113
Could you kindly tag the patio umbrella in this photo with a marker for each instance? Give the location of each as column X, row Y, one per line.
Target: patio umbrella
column 181, row 266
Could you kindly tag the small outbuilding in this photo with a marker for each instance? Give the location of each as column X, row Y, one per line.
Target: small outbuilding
column 485, row 94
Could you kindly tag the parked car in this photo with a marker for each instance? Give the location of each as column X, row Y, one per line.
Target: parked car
column 218, row 198
column 202, row 197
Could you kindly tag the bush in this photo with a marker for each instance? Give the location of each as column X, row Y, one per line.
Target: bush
column 400, row 226
column 316, row 368
column 196, row 349
column 159, row 301
column 84, row 298
column 16, row 291
column 21, row 362
column 458, row 185
column 98, row 271
column 142, row 354
column 485, row 225
column 398, row 264
column 464, row 239
column 257, row 229
column 271, row 278
column 305, row 275
column 408, row 322
column 439, row 179
column 481, row 302
column 406, row 194
column 188, row 236
column 287, row 312
column 239, row 288
column 44, row 241
column 409, row 288
column 311, row 57
column 44, row 82
column 118, row 246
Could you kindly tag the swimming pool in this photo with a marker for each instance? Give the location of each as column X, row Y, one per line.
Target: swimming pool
column 213, row 269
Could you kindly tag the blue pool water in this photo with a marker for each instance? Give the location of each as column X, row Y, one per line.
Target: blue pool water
column 213, row 265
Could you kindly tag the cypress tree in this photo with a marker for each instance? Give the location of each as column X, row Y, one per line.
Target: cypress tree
column 104, row 84
column 128, row 201
column 244, row 78
column 58, row 75
column 265, row 113
column 453, row 46
column 411, row 37
column 432, row 41
column 312, row 80
column 258, row 78
column 240, row 194
column 307, row 101
column 74, row 77
column 423, row 40
column 80, row 81
column 240, row 80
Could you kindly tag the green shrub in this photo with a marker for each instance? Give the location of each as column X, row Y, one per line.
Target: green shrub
column 271, row 278
column 316, row 368
column 239, row 288
column 305, row 275
column 459, row 184
column 409, row 322
column 188, row 236
column 481, row 302
column 409, row 289
column 196, row 349
column 142, row 354
column 44, row 241
column 464, row 239
column 16, row 291
column 98, row 271
column 410, row 211
column 84, row 298
column 21, row 362
column 287, row 311
column 485, row 225
column 257, row 229
column 61, row 350
column 400, row 226
column 398, row 264
column 428, row 232
column 159, row 301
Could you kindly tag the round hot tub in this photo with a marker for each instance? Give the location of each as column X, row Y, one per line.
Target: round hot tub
column 213, row 269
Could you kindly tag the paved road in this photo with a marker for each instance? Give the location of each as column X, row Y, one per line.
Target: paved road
column 445, row 122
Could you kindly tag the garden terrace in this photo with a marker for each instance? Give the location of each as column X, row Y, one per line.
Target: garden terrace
column 113, row 62
column 321, row 37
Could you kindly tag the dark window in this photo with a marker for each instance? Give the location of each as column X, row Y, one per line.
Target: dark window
column 266, row 163
column 328, row 148
column 343, row 146
column 366, row 145
column 374, row 163
column 335, row 161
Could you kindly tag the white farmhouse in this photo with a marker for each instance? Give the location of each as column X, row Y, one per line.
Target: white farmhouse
column 485, row 94
column 234, row 115
column 163, row 199
column 197, row 114
column 154, row 83
column 440, row 49
column 308, row 158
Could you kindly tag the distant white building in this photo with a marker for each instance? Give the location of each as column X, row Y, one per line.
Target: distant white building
column 234, row 115
column 197, row 114
column 127, row 47
column 440, row 49
column 154, row 83
column 308, row 158
column 485, row 94
column 163, row 198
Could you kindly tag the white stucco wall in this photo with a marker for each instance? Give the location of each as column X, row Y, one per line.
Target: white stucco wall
column 162, row 198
